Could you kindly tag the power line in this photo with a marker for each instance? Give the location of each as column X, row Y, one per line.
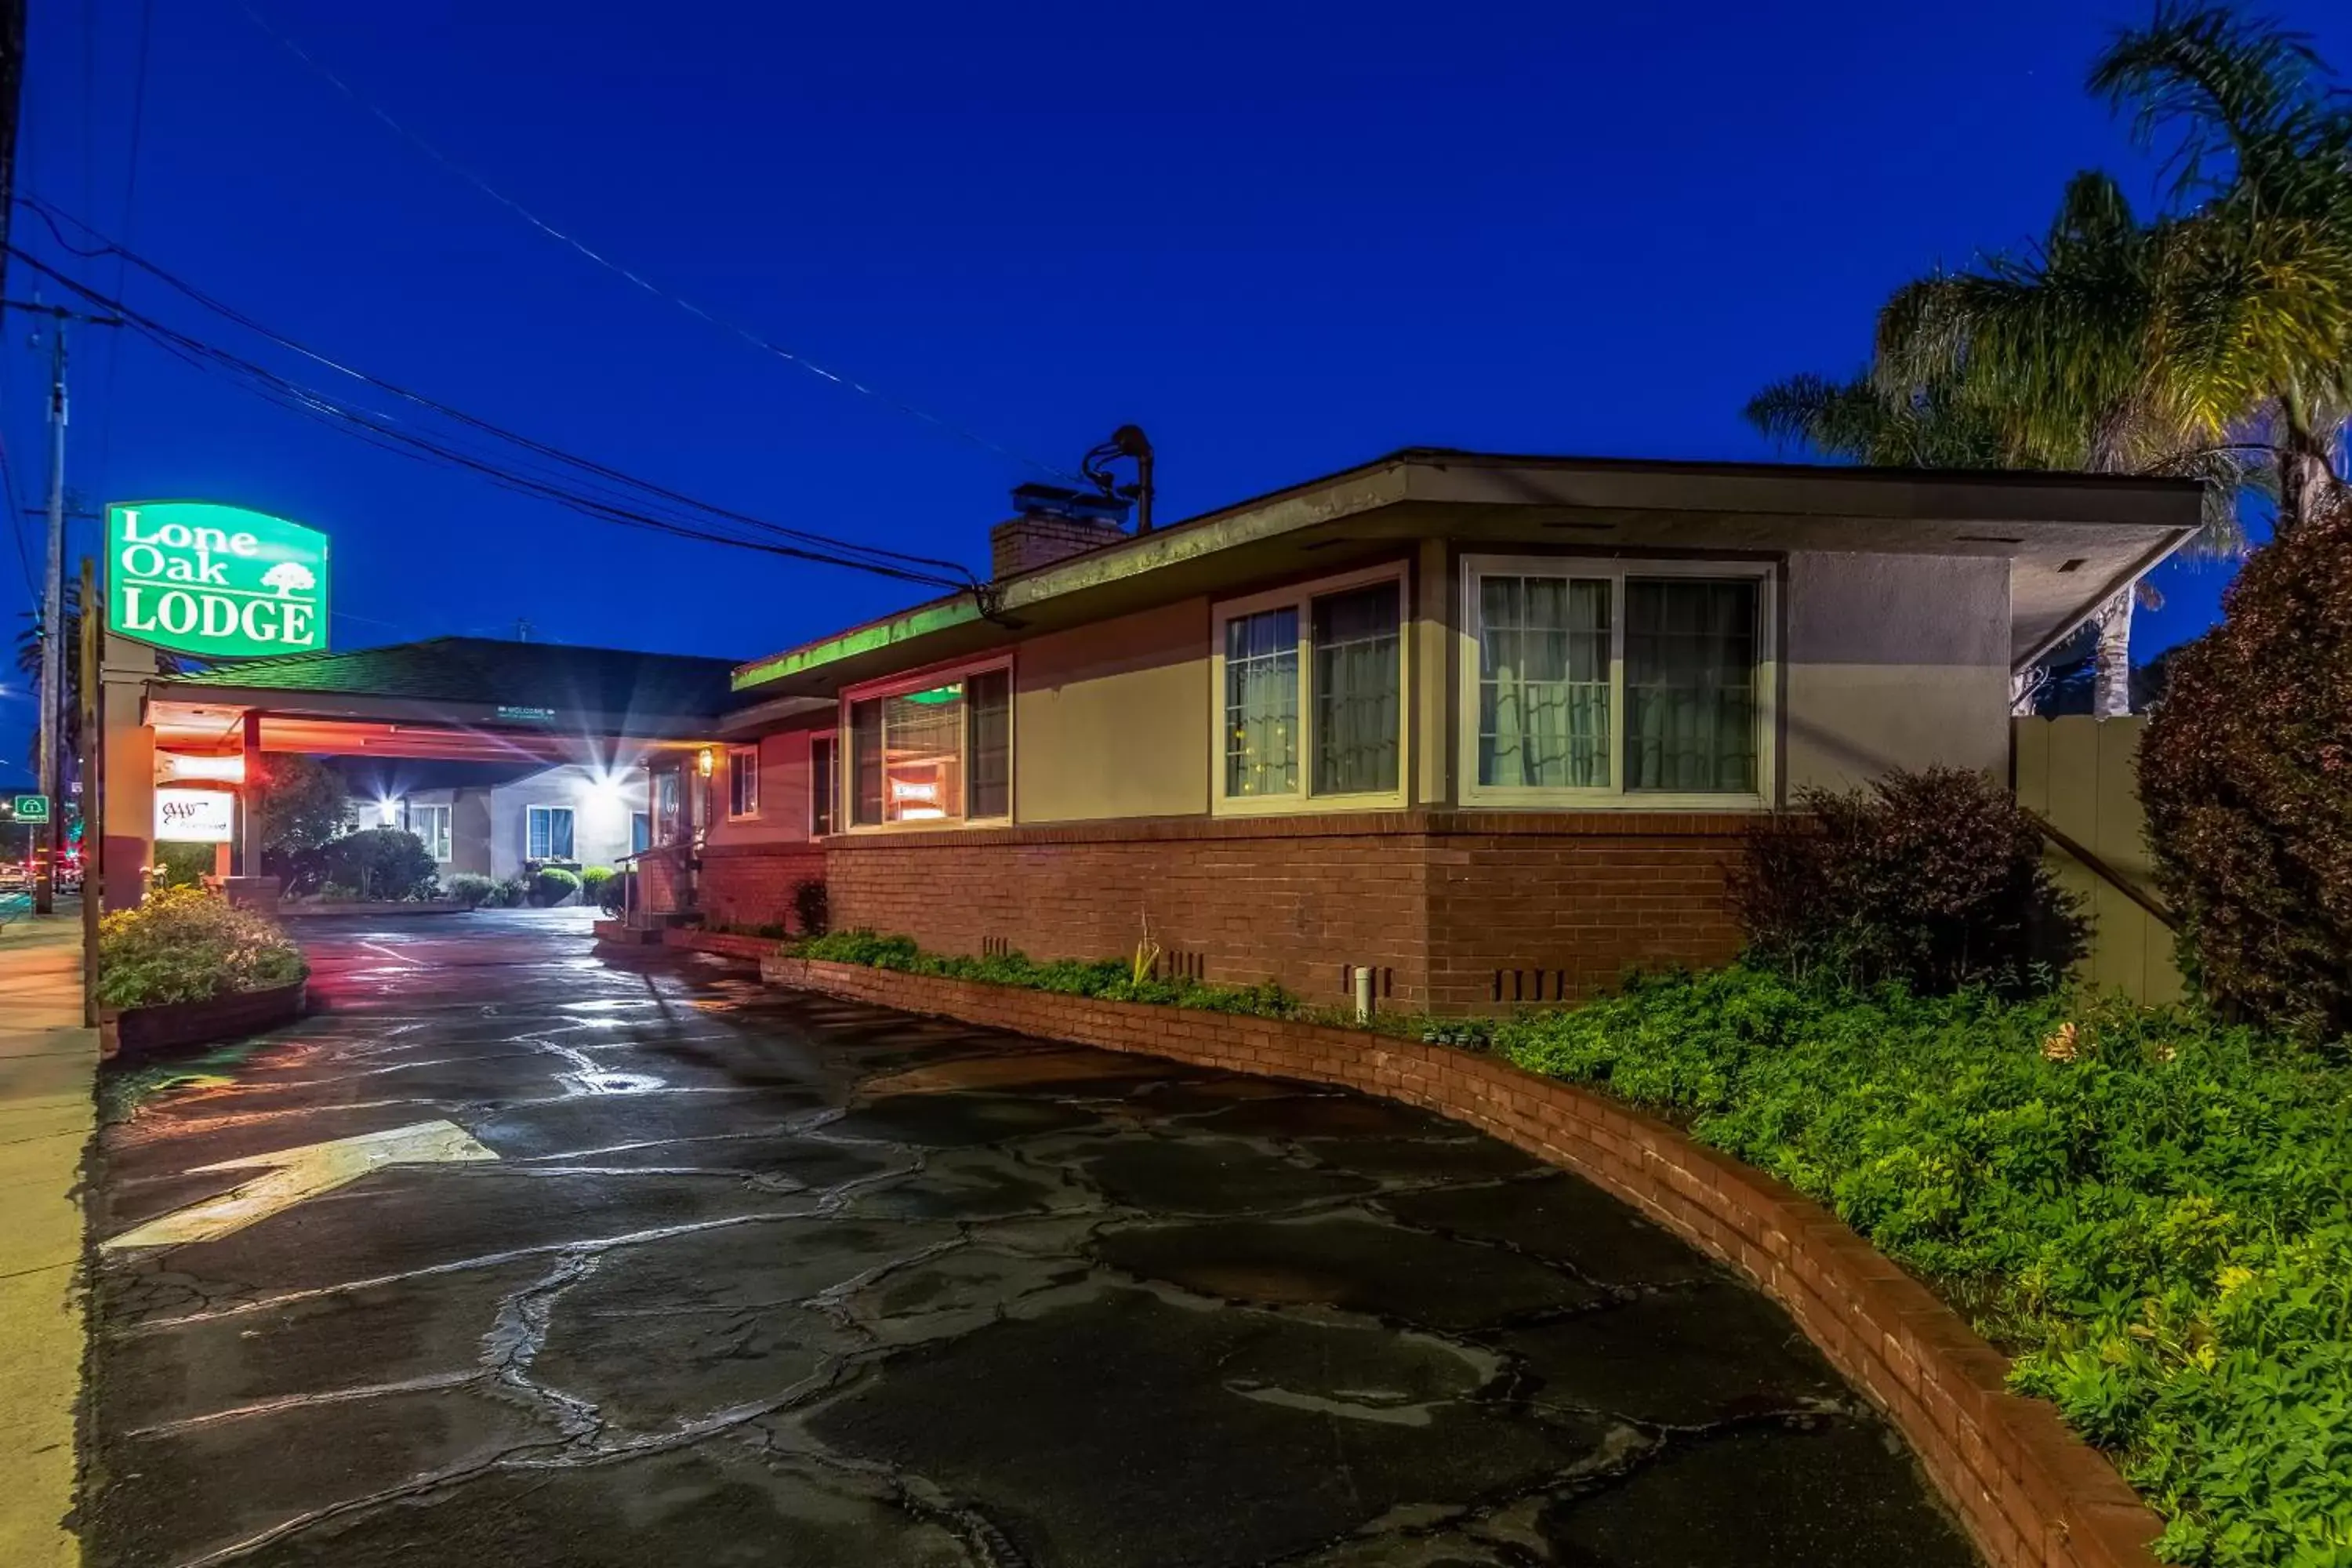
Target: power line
column 724, row 323
column 379, row 430
column 104, row 246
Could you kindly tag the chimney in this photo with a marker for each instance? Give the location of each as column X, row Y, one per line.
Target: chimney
column 1051, row 524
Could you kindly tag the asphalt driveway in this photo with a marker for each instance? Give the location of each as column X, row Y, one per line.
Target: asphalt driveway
column 639, row 1266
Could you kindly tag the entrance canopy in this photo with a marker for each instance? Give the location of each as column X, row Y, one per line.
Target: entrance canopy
column 454, row 698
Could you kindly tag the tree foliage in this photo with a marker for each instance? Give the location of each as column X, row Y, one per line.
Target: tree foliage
column 381, row 863
column 2245, row 769
column 299, row 804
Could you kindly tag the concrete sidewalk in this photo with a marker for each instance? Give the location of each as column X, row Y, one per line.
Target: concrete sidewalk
column 47, row 1063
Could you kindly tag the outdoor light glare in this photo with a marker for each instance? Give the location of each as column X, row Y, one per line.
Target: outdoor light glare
column 389, row 809
column 704, row 761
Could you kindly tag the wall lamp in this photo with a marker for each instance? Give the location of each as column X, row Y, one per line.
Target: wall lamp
column 705, row 760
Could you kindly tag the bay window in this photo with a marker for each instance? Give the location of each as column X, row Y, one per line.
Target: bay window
column 1310, row 695
column 936, row 752
column 1606, row 679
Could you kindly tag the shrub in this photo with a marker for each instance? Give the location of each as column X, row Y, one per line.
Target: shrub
column 2245, row 773
column 1934, row 879
column 812, row 908
column 615, row 895
column 183, row 865
column 2151, row 1209
column 470, row 889
column 592, row 882
column 511, row 894
column 550, row 885
column 184, row 945
column 388, row 863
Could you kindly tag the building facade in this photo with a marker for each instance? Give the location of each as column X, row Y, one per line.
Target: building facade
column 1490, row 727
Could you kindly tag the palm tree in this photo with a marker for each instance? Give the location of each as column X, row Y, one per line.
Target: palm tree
column 28, row 665
column 2260, row 142
column 2061, row 350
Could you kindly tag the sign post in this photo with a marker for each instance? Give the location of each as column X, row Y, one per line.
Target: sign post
column 216, row 581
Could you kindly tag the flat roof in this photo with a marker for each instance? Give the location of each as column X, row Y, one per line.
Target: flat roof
column 2074, row 540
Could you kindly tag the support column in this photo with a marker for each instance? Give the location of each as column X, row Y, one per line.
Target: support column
column 248, row 822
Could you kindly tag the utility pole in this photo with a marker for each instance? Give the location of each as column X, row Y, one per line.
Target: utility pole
column 93, row 784
column 53, row 661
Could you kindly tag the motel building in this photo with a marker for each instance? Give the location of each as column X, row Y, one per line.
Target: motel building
column 1489, row 726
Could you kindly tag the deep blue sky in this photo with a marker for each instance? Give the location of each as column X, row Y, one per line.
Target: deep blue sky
column 1282, row 239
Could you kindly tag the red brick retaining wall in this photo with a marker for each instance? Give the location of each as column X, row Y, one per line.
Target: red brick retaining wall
column 1461, row 911
column 2030, row 1495
column 727, row 943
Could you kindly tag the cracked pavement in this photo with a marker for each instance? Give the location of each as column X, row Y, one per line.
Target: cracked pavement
column 765, row 1278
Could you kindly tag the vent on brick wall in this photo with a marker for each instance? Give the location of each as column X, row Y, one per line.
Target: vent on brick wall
column 1171, row 966
column 1383, row 980
column 1531, row 985
column 995, row 946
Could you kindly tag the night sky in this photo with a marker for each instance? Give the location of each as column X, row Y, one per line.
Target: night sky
column 1282, row 239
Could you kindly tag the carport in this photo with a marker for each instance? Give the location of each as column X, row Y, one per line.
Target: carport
column 193, row 742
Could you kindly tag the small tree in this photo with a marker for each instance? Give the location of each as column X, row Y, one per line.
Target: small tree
column 299, row 804
column 1933, row 879
column 2245, row 769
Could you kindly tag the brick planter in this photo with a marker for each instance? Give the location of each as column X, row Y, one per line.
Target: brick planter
column 753, row 949
column 175, row 1025
column 2031, row 1494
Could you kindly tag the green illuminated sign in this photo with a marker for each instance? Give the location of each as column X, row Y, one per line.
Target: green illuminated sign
column 214, row 580
column 31, row 808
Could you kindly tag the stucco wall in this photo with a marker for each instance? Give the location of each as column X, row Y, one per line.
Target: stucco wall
column 784, row 787
column 600, row 819
column 1112, row 720
column 1894, row 661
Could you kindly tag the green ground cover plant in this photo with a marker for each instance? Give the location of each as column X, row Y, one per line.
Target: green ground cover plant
column 1111, row 979
column 184, row 945
column 2151, row 1210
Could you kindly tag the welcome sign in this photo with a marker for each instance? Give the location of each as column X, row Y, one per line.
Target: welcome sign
column 214, row 580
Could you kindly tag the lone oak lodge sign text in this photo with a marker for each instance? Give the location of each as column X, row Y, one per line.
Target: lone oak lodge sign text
column 214, row 580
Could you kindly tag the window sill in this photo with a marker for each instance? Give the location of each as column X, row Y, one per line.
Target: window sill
column 1489, row 798
column 1305, row 804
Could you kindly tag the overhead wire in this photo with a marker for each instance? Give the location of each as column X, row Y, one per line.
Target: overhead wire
column 105, row 247
column 377, row 429
column 723, row 324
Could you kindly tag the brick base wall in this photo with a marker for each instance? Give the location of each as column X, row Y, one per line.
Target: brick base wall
column 752, row 884
column 2029, row 1493
column 1461, row 911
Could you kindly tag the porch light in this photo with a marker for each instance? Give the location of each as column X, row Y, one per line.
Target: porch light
column 388, row 808
column 705, row 760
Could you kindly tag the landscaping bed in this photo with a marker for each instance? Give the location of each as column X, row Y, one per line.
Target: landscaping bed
column 188, row 968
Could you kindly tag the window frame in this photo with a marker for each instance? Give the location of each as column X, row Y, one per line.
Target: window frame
column 449, row 835
column 1615, row 796
column 736, row 774
column 551, row 809
column 1301, row 597
column 845, row 745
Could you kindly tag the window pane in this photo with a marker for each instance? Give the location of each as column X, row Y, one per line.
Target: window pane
column 1543, row 682
column 641, row 832
column 559, row 833
column 1262, row 704
column 922, row 743
column 742, row 781
column 1357, row 698
column 865, row 757
column 535, row 833
column 824, row 783
column 1690, row 685
column 990, row 696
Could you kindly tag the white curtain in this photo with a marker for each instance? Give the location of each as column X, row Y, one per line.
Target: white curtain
column 1357, row 673
column 1543, row 687
column 1262, row 704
